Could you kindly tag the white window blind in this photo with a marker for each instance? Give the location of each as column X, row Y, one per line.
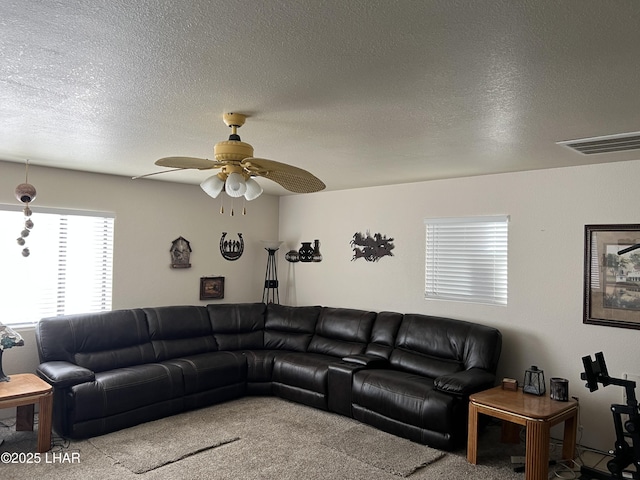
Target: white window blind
column 466, row 259
column 69, row 269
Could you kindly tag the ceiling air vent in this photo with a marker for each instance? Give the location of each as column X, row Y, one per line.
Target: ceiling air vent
column 606, row 144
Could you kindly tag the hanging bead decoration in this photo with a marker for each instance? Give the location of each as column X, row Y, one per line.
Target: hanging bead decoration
column 26, row 193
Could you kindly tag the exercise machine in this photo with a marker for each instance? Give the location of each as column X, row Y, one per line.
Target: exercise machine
column 627, row 446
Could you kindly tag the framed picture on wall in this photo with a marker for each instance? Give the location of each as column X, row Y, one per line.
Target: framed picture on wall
column 612, row 275
column 211, row 288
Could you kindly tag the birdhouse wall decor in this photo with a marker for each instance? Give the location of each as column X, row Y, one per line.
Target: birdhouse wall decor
column 180, row 253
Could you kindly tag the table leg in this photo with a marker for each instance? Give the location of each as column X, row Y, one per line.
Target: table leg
column 537, row 450
column 569, row 439
column 24, row 417
column 44, row 422
column 510, row 432
column 472, row 435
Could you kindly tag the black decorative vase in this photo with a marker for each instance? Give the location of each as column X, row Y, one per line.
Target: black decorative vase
column 292, row 256
column 306, row 252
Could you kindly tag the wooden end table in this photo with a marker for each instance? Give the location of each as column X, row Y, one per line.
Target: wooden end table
column 537, row 413
column 24, row 391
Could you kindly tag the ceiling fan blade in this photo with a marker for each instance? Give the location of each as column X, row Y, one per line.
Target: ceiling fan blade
column 292, row 178
column 188, row 162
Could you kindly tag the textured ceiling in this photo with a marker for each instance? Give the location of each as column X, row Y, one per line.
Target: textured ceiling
column 358, row 92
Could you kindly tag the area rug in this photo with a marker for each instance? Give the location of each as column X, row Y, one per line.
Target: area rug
column 279, row 440
column 152, row 445
column 382, row 450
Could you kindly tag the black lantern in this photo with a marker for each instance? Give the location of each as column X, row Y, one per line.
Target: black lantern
column 534, row 381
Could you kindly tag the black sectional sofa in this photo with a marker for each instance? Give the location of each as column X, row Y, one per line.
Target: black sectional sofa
column 407, row 374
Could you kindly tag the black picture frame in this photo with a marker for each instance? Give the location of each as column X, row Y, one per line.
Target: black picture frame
column 612, row 275
column 211, row 288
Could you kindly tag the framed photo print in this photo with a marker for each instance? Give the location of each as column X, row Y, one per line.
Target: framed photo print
column 211, row 288
column 612, row 275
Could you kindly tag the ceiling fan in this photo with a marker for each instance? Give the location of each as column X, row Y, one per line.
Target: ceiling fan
column 238, row 166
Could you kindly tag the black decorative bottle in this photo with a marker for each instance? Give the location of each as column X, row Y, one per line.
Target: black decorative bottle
column 317, row 256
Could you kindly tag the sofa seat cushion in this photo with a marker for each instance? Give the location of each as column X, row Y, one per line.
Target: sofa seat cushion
column 307, row 371
column 209, row 371
column 404, row 397
column 124, row 389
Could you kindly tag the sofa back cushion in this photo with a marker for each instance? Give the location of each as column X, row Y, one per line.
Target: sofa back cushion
column 97, row 341
column 290, row 328
column 435, row 346
column 238, row 326
column 342, row 332
column 383, row 334
column 179, row 331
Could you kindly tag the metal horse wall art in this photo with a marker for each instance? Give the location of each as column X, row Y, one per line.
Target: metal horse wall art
column 371, row 248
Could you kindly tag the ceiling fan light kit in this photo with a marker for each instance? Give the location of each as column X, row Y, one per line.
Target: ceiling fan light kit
column 238, row 166
column 235, row 185
column 254, row 190
column 213, row 185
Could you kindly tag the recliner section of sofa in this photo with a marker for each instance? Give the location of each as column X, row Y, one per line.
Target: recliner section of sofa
column 407, row 374
column 104, row 372
column 428, row 380
column 182, row 337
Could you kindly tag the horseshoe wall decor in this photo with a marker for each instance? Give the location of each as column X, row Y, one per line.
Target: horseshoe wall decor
column 231, row 249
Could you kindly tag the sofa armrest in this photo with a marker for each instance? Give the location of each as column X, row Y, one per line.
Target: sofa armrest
column 369, row 361
column 64, row 374
column 466, row 382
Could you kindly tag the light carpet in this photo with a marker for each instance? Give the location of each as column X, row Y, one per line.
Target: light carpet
column 151, row 445
column 278, row 440
column 382, row 450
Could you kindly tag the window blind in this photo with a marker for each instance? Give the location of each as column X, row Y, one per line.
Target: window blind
column 466, row 259
column 69, row 269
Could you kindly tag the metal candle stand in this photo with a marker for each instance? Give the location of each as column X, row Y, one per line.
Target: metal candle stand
column 270, row 293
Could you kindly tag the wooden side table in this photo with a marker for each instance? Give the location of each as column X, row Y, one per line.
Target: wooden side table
column 537, row 414
column 24, row 391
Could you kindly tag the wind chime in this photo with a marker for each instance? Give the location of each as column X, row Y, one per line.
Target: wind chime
column 26, row 193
